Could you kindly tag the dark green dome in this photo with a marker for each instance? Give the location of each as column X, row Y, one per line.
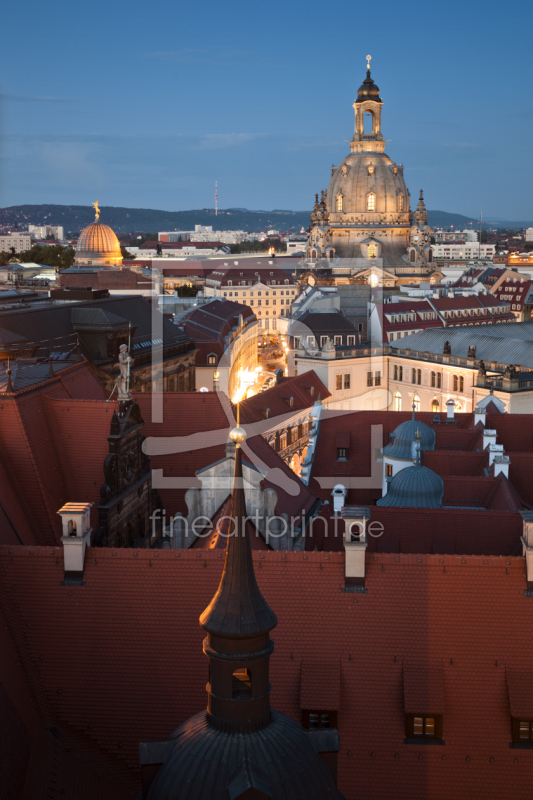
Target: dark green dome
column 414, row 487
column 401, row 444
column 215, row 765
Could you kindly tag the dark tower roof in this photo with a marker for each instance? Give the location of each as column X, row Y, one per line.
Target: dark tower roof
column 238, row 608
column 239, row 747
column 368, row 90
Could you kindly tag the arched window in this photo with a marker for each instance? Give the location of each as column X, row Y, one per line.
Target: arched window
column 430, row 255
column 458, row 407
column 400, row 202
column 397, row 401
column 368, row 123
column 435, row 407
column 371, row 202
column 416, row 402
column 412, row 256
column 338, row 204
column 71, row 528
column 372, row 251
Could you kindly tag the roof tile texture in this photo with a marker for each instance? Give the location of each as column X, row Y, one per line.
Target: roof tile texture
column 92, row 663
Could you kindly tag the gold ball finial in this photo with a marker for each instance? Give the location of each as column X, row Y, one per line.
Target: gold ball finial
column 368, row 60
column 237, row 435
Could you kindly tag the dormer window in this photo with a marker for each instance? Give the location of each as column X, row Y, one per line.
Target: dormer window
column 211, row 359
column 424, row 727
column 313, row 720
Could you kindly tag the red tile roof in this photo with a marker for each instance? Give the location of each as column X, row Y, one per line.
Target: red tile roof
column 304, row 389
column 85, row 654
column 423, row 689
column 320, row 686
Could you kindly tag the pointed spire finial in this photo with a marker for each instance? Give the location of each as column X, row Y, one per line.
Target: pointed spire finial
column 414, row 409
column 238, row 434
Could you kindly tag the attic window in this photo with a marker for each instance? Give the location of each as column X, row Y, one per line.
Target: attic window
column 291, row 401
column 319, row 720
column 312, row 390
column 424, row 727
column 267, row 413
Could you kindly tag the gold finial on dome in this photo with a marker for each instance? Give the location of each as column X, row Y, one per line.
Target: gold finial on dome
column 238, row 434
column 96, row 211
column 368, row 60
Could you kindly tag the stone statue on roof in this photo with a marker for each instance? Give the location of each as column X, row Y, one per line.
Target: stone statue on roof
column 124, row 362
column 447, row 350
column 481, row 370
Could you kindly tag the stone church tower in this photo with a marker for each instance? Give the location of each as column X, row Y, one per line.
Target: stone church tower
column 364, row 217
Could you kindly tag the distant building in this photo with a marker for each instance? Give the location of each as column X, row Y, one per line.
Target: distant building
column 462, row 252
column 266, row 288
column 458, row 237
column 529, row 234
column 174, row 236
column 43, row 231
column 19, row 241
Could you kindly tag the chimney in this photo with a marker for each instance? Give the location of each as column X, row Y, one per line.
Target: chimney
column 489, row 437
column 480, row 415
column 501, row 465
column 495, row 450
column 339, row 496
column 76, row 536
column 355, row 545
column 450, row 410
column 527, row 548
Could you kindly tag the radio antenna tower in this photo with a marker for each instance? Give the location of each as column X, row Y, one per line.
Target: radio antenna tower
column 216, row 198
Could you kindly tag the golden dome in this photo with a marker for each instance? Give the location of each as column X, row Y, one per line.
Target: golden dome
column 99, row 246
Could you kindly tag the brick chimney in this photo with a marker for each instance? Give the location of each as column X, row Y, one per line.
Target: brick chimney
column 76, row 536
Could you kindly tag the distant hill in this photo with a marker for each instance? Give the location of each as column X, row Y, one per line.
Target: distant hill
column 125, row 220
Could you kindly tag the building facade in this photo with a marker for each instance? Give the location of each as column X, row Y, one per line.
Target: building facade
column 15, row 242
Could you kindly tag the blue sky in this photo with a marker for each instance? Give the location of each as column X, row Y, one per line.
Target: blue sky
column 147, row 104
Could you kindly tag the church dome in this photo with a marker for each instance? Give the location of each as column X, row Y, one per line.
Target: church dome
column 368, row 90
column 98, row 245
column 361, row 174
column 403, row 437
column 206, row 762
column 414, row 487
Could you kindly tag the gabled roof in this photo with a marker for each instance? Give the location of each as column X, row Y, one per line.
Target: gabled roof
column 304, row 389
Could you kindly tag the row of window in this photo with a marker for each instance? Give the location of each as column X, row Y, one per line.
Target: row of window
column 436, row 378
column 267, row 301
column 243, row 294
column 435, row 406
column 370, row 202
column 418, row 726
column 249, row 283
